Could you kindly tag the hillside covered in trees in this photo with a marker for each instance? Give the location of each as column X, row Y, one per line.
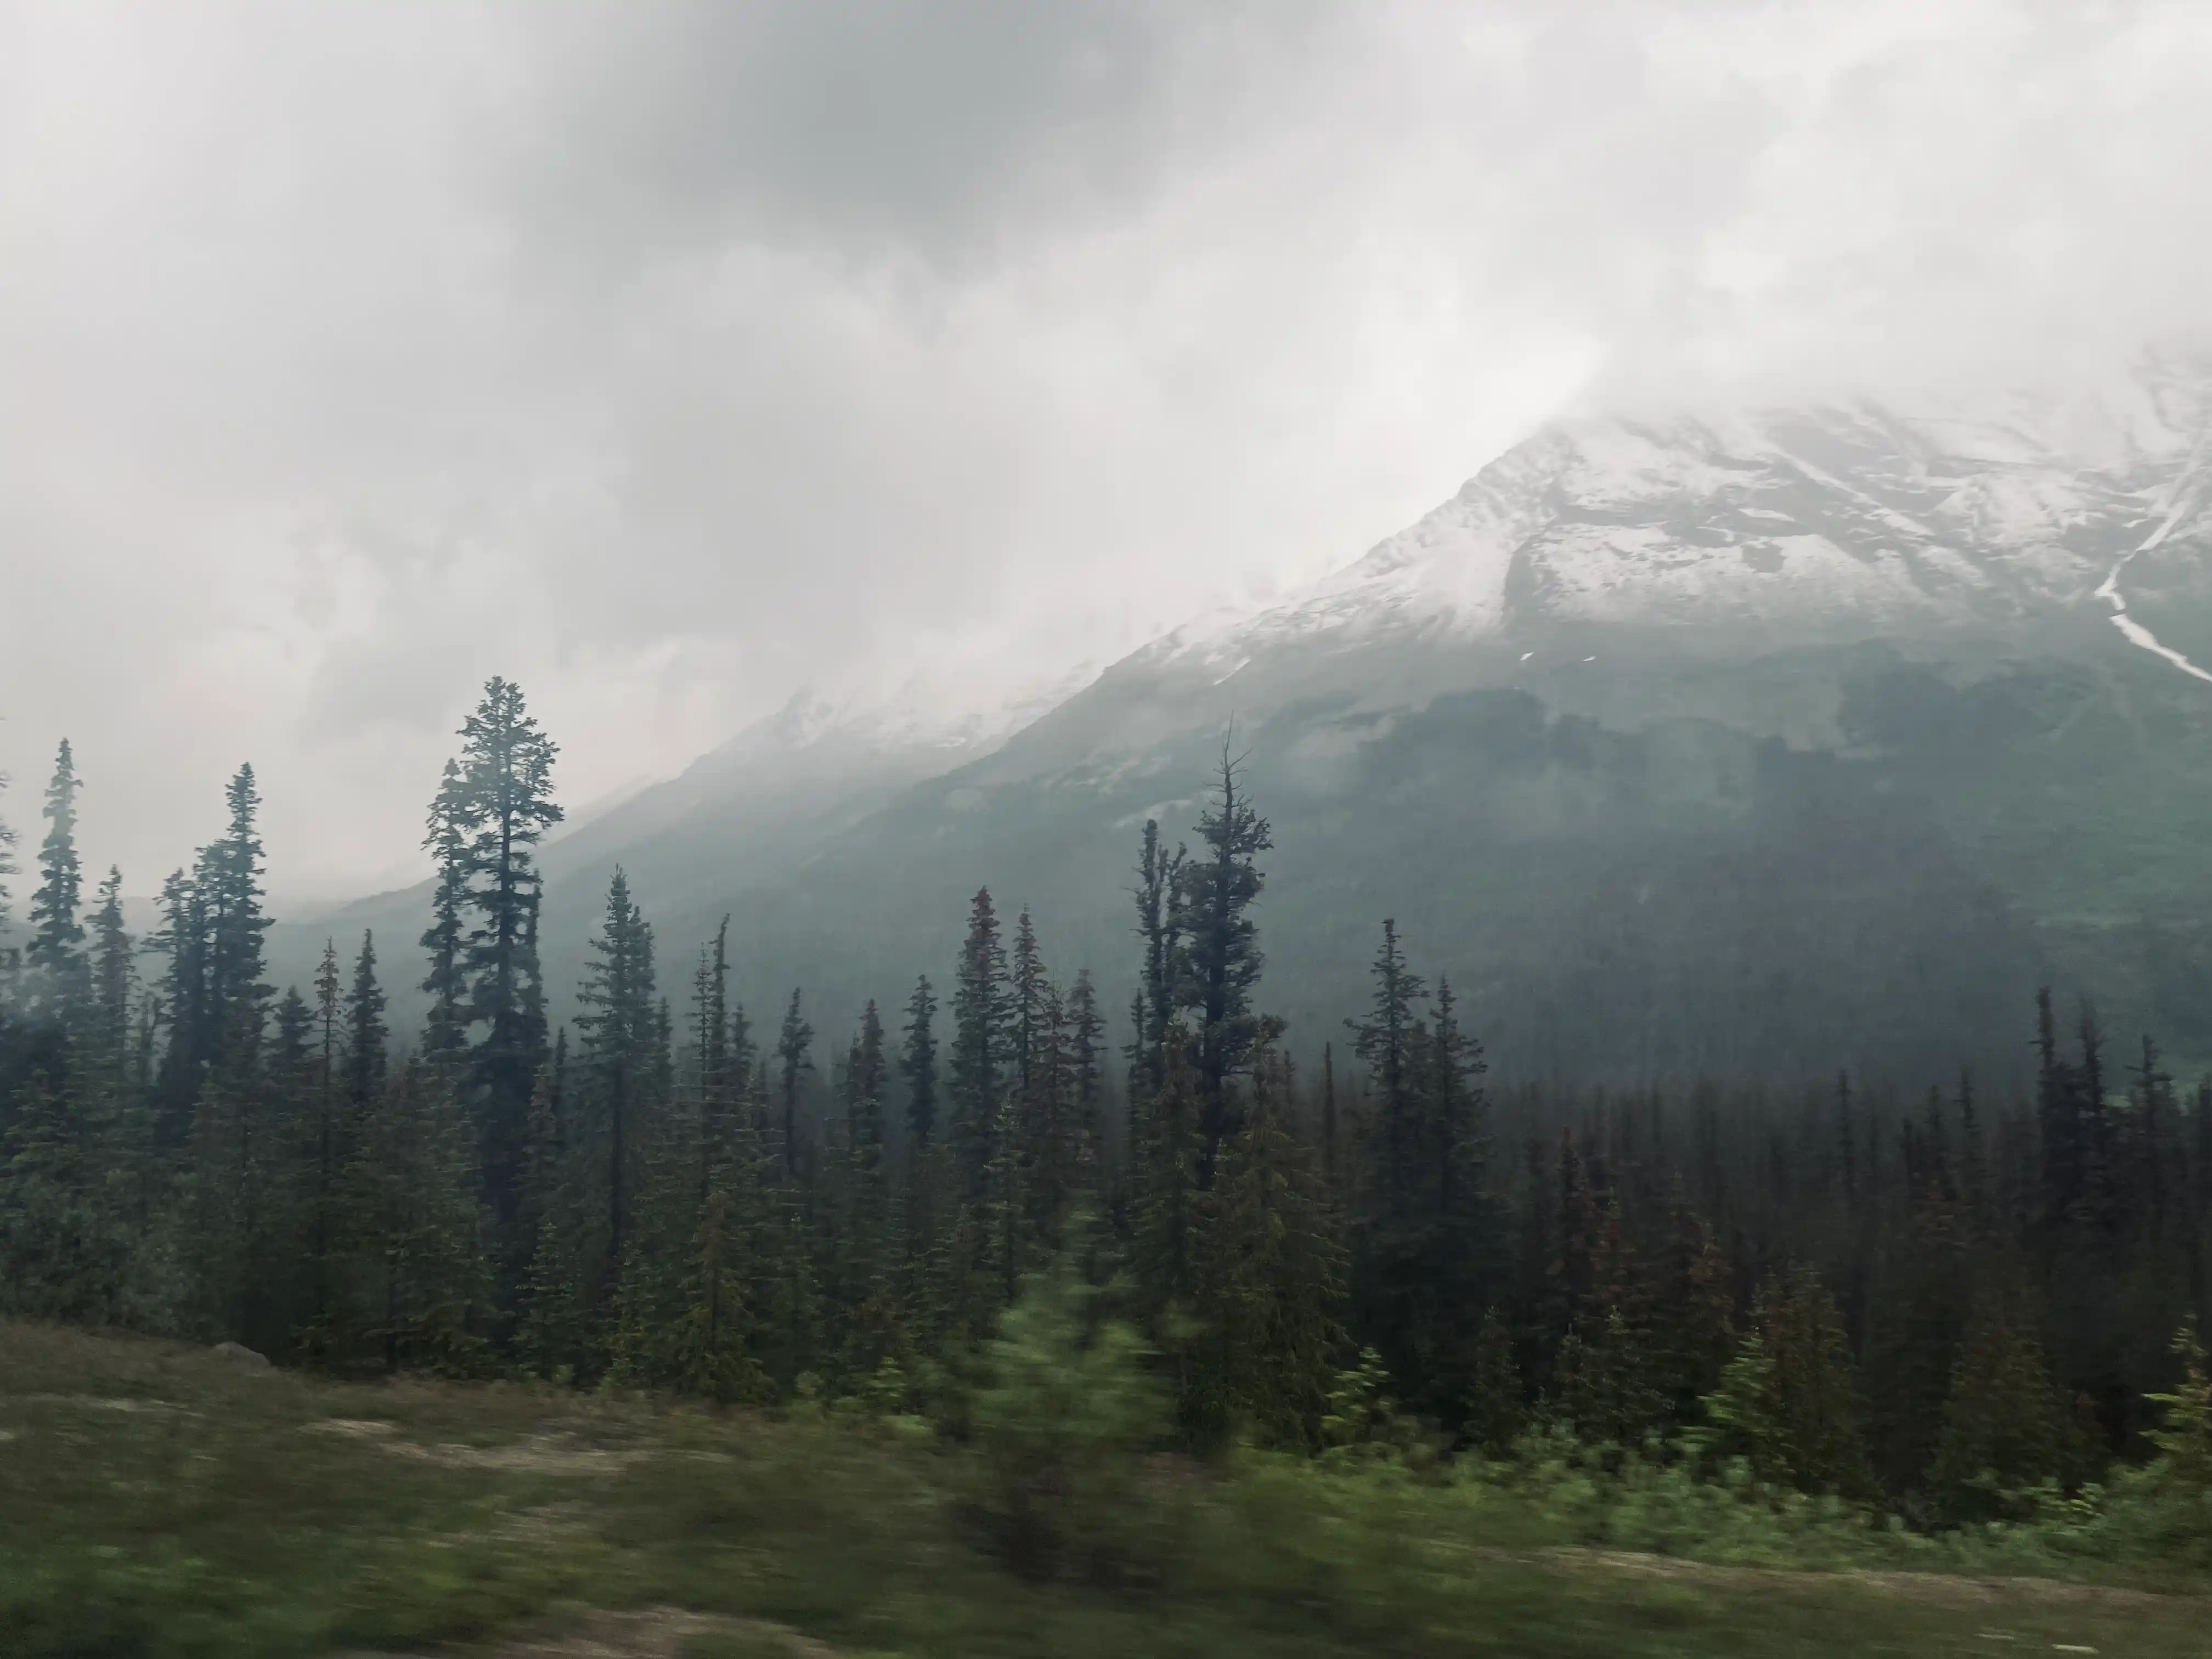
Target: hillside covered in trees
column 1953, row 1305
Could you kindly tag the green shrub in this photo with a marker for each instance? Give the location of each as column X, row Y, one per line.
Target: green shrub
column 1065, row 1427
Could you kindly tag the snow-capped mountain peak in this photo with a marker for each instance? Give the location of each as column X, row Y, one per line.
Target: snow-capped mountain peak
column 1779, row 519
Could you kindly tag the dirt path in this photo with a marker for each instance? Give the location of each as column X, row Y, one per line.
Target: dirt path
column 651, row 1633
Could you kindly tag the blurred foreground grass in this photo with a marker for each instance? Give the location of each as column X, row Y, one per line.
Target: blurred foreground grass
column 158, row 1500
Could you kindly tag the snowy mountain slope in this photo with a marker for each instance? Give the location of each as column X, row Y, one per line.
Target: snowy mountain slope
column 1818, row 522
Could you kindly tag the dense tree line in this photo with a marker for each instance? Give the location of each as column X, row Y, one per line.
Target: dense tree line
column 1937, row 1303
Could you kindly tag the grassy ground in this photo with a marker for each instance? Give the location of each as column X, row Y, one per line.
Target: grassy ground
column 158, row 1501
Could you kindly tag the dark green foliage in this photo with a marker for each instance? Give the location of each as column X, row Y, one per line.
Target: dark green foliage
column 445, row 841
column 494, row 806
column 7, row 868
column 918, row 1062
column 2005, row 1428
column 417, row 1230
column 794, row 1052
column 1271, row 1279
column 2185, row 1438
column 1216, row 966
column 617, row 1065
column 66, row 1247
column 54, row 951
column 1789, row 1401
column 1424, row 1240
column 1063, row 1421
column 1496, row 1412
column 982, row 1045
column 112, row 974
column 366, row 1051
column 229, row 881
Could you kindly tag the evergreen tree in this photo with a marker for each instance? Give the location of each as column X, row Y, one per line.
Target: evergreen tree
column 1788, row 1401
column 366, row 1050
column 721, row 1058
column 417, row 1230
column 446, row 839
column 2004, row 1429
column 1048, row 1130
column 2184, row 1439
column 867, row 1206
column 65, row 1251
column 1220, row 961
column 112, row 972
column 1384, row 1040
column 7, row 869
column 1694, row 1319
column 55, row 948
column 554, row 1334
column 708, row 1349
column 230, row 881
column 918, row 1062
column 1274, row 1275
column 1496, row 1413
column 502, row 809
column 1331, row 1156
column 1086, row 1050
column 981, row 1046
column 182, row 1002
column 794, row 1045
column 329, row 1157
column 1152, row 1012
column 1606, row 1388
column 1166, row 1219
column 619, row 1022
column 1027, row 987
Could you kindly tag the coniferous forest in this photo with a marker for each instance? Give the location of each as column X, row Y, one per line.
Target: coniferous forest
column 1950, row 1308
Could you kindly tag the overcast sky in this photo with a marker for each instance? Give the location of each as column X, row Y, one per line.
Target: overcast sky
column 667, row 357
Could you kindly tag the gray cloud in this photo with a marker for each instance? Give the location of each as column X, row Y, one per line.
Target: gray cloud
column 669, row 356
column 865, row 127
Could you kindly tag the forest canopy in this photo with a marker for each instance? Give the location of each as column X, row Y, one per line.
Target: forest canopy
column 1309, row 1240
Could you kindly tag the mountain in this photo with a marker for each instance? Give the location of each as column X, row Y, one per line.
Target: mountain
column 1776, row 740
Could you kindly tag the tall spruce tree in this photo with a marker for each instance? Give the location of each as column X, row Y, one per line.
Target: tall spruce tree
column 2004, row 1424
column 446, row 839
column 1384, row 1040
column 7, row 894
column 366, row 1050
column 1496, row 1409
column 1220, row 960
column 717, row 1073
column 112, row 972
column 328, row 1154
column 1086, row 1050
column 180, row 1004
column 554, row 1334
column 234, row 869
column 417, row 1230
column 918, row 1062
column 1272, row 1279
column 982, row 1045
column 1159, row 876
column 619, row 1023
column 503, row 807
column 794, row 1046
column 55, row 948
column 1789, row 1401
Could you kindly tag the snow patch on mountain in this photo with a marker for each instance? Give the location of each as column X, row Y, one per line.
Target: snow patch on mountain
column 938, row 708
